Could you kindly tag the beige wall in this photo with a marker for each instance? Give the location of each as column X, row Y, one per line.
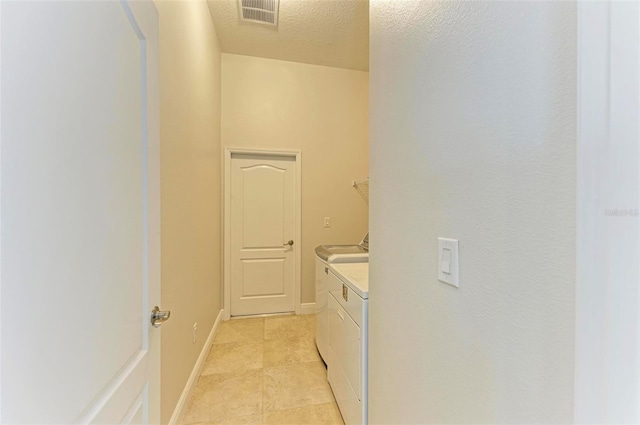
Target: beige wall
column 319, row 110
column 190, row 150
column 473, row 137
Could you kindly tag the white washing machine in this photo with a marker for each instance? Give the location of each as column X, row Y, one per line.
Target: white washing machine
column 325, row 255
column 348, row 316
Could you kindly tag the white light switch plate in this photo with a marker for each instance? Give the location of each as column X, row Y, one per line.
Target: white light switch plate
column 448, row 271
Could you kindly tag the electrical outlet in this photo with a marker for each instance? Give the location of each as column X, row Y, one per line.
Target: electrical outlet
column 195, row 332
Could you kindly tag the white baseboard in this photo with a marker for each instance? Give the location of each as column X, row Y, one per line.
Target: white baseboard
column 308, row 308
column 181, row 407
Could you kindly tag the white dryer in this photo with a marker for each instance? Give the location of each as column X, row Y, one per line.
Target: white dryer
column 325, row 255
column 348, row 316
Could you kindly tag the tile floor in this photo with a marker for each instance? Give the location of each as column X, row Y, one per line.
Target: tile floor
column 264, row 371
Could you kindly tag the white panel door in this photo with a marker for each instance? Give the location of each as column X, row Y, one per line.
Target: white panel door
column 79, row 212
column 263, row 221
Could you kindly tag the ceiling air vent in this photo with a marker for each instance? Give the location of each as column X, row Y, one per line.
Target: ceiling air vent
column 260, row 11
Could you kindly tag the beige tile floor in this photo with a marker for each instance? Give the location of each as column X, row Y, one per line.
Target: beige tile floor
column 264, row 371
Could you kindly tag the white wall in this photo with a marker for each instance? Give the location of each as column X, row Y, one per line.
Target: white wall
column 319, row 110
column 473, row 137
column 190, row 155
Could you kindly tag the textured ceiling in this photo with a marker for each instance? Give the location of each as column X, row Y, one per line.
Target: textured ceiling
column 321, row 32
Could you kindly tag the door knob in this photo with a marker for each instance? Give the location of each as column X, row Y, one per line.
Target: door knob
column 159, row 317
column 290, row 243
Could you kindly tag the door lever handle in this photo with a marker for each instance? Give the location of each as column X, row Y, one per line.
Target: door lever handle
column 159, row 317
column 290, row 243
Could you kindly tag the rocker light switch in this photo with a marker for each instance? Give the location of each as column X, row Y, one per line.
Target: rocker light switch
column 448, row 262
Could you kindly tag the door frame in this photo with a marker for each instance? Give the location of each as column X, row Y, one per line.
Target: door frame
column 606, row 305
column 226, row 222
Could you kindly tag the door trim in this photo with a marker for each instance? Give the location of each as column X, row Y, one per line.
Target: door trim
column 606, row 331
column 228, row 152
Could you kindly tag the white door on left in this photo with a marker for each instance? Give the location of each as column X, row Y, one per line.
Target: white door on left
column 79, row 212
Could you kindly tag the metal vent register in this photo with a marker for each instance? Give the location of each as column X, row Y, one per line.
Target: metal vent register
column 259, row 11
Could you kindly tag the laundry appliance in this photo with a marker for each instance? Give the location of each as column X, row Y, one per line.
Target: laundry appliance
column 325, row 255
column 348, row 317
